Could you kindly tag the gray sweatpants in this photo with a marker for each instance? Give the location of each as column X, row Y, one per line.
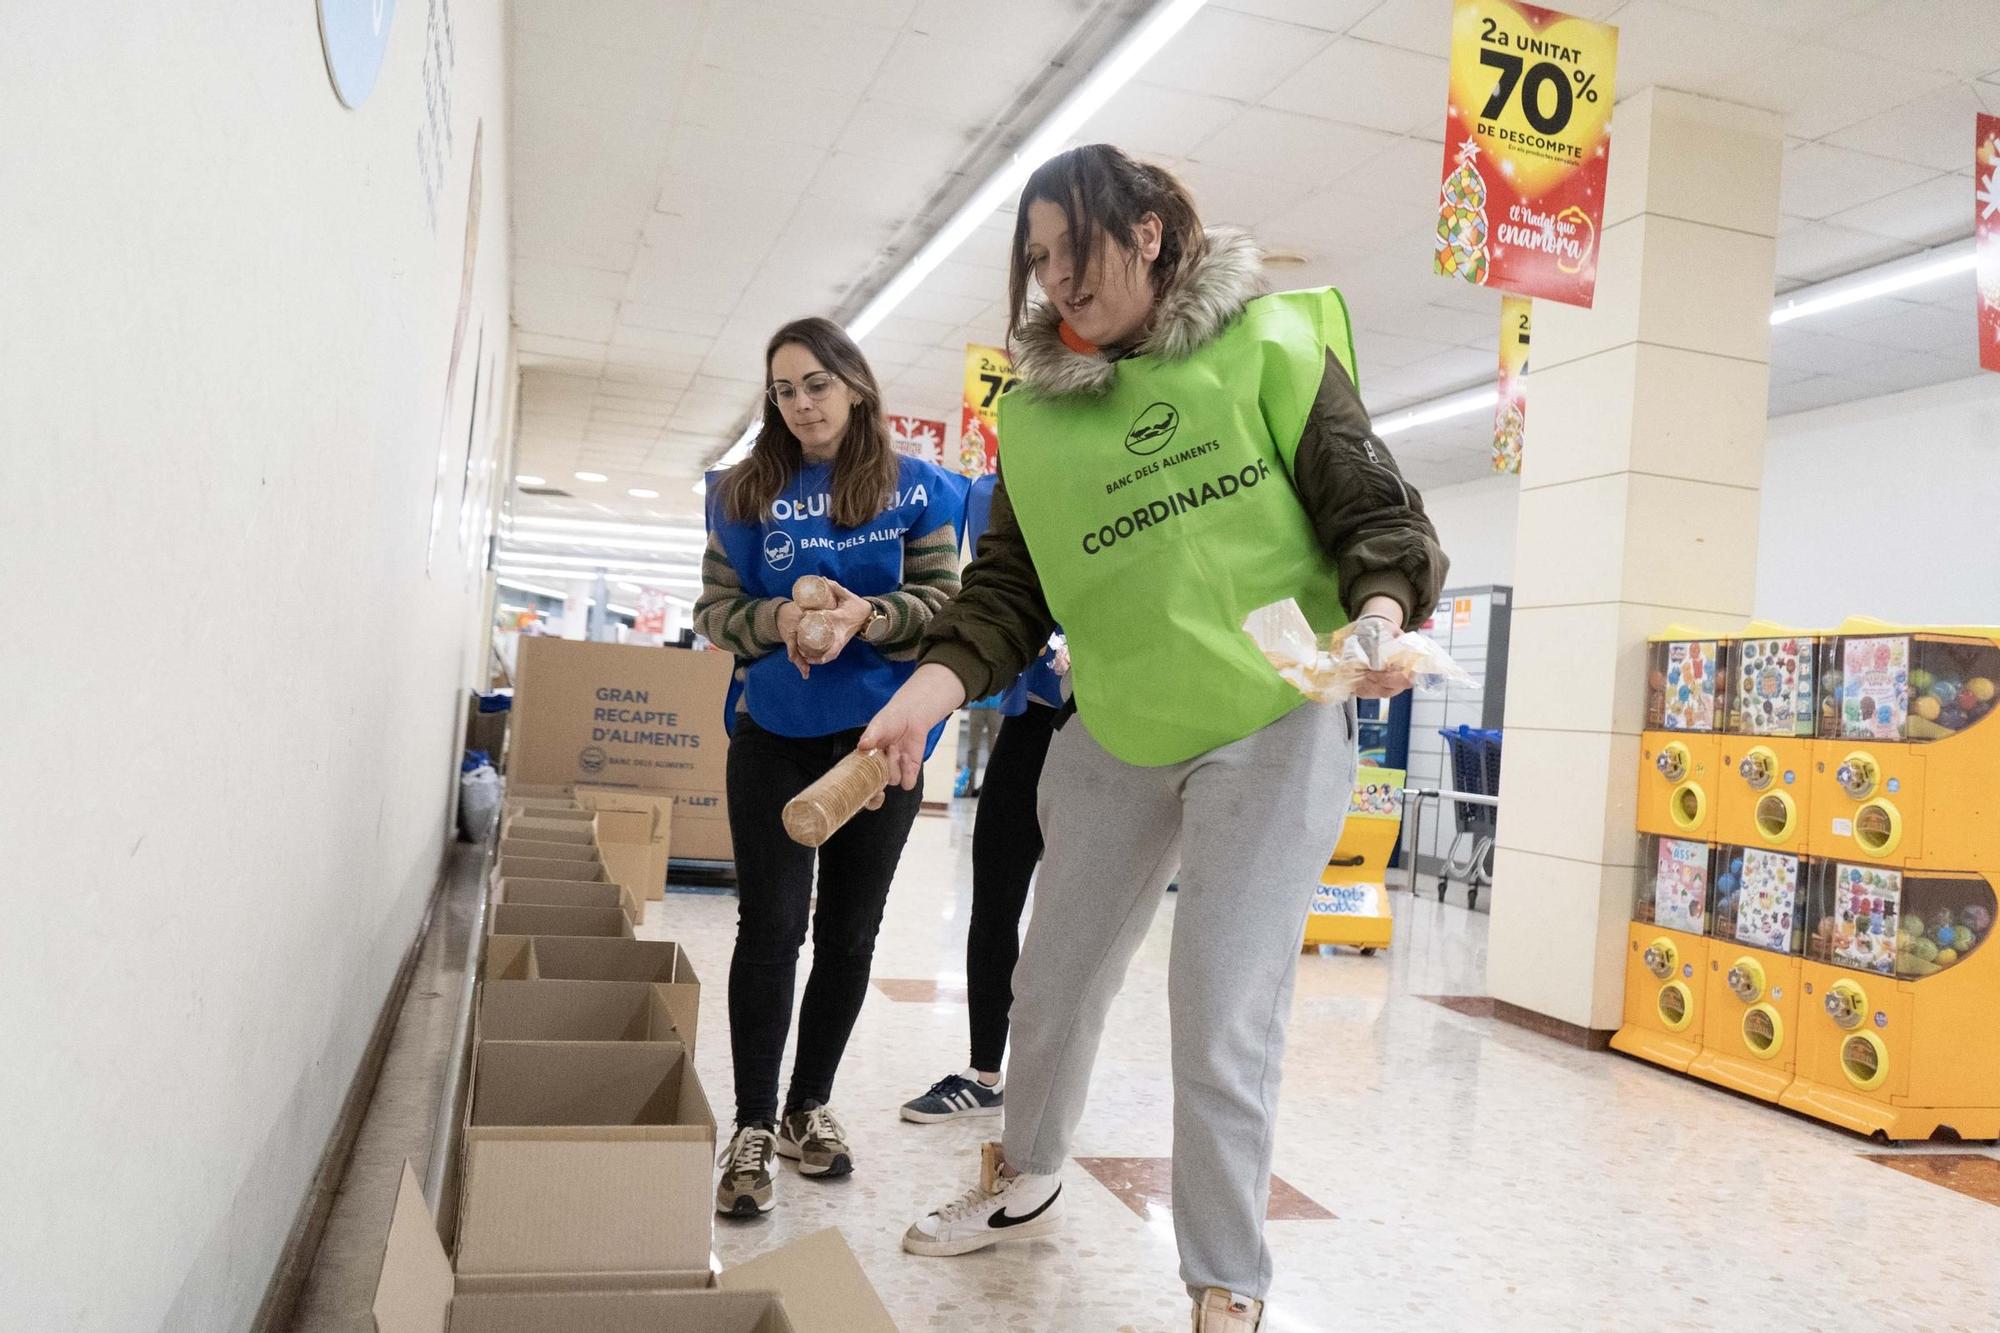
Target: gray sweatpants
column 1250, row 825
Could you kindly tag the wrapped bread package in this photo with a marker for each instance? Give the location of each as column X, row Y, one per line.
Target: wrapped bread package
column 1329, row 668
column 812, row 593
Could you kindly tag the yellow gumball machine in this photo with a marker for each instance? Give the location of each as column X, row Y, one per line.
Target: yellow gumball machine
column 1765, row 767
column 1667, row 953
column 1757, row 932
column 1680, row 750
column 1898, row 990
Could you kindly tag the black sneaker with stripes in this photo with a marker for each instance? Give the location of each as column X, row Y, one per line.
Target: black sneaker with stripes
column 953, row 1097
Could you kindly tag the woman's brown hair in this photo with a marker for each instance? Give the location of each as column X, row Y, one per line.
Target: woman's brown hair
column 1103, row 192
column 864, row 468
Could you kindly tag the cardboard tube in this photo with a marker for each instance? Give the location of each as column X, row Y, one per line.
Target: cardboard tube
column 818, row 812
column 816, row 632
column 812, row 593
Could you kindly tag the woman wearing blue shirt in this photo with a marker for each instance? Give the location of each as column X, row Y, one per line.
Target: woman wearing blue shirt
column 821, row 493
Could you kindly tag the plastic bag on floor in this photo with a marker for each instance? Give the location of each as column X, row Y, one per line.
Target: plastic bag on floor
column 1328, row 669
column 479, row 794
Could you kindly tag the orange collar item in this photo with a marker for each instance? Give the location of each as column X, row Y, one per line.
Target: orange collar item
column 1075, row 341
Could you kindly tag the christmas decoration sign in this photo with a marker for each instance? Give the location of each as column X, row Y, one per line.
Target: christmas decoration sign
column 918, row 437
column 988, row 374
column 1510, row 413
column 1986, row 230
column 1527, row 145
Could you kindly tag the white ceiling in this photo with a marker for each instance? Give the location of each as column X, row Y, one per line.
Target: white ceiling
column 688, row 176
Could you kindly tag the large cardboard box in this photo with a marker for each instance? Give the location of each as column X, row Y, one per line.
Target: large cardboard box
column 542, row 867
column 586, row 1157
column 629, row 818
column 631, row 717
column 574, row 893
column 520, row 844
column 578, row 1011
column 813, row 1285
column 660, row 963
column 535, row 919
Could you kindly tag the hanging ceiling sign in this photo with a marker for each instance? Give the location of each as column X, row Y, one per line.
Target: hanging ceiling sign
column 1527, row 143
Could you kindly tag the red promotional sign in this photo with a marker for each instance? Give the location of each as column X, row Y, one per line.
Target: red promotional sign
column 1527, row 144
column 1986, row 231
column 919, row 437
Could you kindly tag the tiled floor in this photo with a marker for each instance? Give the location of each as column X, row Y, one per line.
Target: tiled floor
column 1479, row 1176
column 1443, row 1170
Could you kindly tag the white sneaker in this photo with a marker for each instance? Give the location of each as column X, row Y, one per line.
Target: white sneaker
column 998, row 1208
column 1220, row 1311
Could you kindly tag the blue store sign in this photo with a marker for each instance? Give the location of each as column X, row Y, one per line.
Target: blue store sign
column 355, row 34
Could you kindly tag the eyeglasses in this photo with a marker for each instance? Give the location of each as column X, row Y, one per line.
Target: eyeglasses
column 816, row 386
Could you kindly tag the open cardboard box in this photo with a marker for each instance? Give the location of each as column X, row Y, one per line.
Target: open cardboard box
column 577, row 1011
column 568, row 812
column 813, row 1285
column 537, row 919
column 629, row 820
column 516, row 844
column 587, row 1157
column 550, row 830
column 660, row 963
column 542, row 867
column 540, row 790
column 573, row 893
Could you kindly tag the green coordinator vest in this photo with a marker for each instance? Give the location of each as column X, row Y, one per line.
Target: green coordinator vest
column 1161, row 513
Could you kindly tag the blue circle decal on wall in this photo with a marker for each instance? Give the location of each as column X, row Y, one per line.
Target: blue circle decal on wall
column 354, row 34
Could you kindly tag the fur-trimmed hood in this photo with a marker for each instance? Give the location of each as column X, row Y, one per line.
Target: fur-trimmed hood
column 1228, row 274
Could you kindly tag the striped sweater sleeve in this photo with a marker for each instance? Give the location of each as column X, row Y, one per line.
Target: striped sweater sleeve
column 727, row 616
column 930, row 579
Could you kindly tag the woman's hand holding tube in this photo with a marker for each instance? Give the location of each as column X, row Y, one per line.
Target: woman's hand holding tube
column 898, row 732
column 1378, row 626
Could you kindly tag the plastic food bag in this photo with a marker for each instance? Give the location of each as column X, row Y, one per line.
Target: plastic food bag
column 478, row 802
column 1327, row 670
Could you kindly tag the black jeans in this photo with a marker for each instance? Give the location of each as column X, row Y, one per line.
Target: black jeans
column 1006, row 844
column 774, row 880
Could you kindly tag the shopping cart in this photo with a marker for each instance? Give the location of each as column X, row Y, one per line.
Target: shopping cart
column 1475, row 770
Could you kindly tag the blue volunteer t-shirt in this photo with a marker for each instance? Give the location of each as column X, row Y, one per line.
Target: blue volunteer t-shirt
column 799, row 537
column 1039, row 682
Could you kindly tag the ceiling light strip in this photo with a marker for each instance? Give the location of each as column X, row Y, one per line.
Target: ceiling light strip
column 1868, row 284
column 1120, row 64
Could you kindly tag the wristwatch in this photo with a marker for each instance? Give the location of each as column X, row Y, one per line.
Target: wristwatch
column 876, row 628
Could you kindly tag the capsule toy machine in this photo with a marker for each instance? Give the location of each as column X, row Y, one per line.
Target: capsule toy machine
column 1667, row 953
column 1770, row 722
column 1756, row 936
column 1687, row 697
column 1898, row 987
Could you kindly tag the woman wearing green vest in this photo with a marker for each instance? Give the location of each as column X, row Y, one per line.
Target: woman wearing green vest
column 1181, row 452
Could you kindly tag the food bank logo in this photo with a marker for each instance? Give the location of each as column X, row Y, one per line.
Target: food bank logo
column 778, row 550
column 1152, row 430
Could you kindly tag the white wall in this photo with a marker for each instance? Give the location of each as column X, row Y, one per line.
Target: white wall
column 230, row 685
column 1475, row 521
column 1884, row 507
column 1888, row 507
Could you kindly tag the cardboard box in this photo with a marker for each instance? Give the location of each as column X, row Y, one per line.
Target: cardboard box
column 553, row 804
column 539, row 790
column 813, row 1285
column 577, row 1011
column 542, row 867
column 633, row 718
column 535, row 919
column 550, row 830
column 643, row 818
column 587, row 1157
column 660, row 963
column 517, row 844
column 486, row 731
column 574, row 893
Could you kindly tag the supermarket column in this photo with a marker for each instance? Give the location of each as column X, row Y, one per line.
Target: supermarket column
column 1639, row 504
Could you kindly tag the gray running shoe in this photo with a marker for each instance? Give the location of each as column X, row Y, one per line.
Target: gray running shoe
column 811, row 1137
column 745, row 1189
